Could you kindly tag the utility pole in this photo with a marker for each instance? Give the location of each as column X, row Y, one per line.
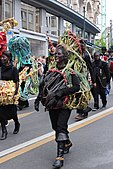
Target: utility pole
column 84, row 12
column 103, row 19
column 111, row 27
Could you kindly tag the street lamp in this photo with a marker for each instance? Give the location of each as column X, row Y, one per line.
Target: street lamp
column 111, row 32
column 84, row 12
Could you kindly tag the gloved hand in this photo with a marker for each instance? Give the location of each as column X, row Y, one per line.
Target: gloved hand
column 36, row 104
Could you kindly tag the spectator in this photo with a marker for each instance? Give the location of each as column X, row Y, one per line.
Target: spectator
column 102, row 74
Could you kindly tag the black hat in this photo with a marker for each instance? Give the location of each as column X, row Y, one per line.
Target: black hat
column 103, row 49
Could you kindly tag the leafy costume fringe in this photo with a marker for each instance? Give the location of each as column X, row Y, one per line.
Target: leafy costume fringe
column 19, row 46
column 76, row 62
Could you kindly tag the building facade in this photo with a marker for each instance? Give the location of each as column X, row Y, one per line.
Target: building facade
column 36, row 18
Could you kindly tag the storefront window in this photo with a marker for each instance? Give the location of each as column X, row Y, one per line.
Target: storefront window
column 92, row 38
column 67, row 25
column 37, row 47
column 78, row 32
column 86, row 35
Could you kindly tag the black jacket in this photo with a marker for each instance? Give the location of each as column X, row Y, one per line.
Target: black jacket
column 101, row 72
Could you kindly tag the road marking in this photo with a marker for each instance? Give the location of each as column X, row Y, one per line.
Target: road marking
column 34, row 143
column 22, row 115
column 33, row 98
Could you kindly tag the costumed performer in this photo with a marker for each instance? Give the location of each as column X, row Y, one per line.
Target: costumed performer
column 57, row 85
column 19, row 46
column 8, row 110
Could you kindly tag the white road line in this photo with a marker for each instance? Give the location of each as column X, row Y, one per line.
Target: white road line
column 30, row 142
column 33, row 98
column 20, row 146
column 91, row 117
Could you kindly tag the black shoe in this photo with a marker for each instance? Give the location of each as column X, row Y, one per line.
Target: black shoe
column 4, row 135
column 95, row 108
column 58, row 162
column 20, row 107
column 17, row 127
column 79, row 117
column 103, row 107
column 86, row 111
column 67, row 147
column 85, row 115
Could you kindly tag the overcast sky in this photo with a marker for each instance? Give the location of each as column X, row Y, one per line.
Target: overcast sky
column 109, row 11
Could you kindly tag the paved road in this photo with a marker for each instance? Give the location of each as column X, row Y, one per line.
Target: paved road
column 34, row 146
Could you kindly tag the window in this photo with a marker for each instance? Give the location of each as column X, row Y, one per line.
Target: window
column 24, row 15
column 37, row 47
column 54, row 32
column 30, row 18
column 53, row 21
column 7, row 10
column 30, row 21
column 24, row 19
column 51, row 24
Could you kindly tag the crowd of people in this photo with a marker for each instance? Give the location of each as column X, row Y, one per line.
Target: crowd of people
column 55, row 89
column 100, row 74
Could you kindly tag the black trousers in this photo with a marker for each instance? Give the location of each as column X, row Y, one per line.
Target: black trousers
column 95, row 96
column 101, row 91
column 59, row 120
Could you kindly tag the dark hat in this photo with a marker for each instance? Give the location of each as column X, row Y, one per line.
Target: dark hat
column 103, row 48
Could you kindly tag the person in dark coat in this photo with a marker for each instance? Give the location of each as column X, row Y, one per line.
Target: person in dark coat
column 53, row 101
column 102, row 74
column 7, row 112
